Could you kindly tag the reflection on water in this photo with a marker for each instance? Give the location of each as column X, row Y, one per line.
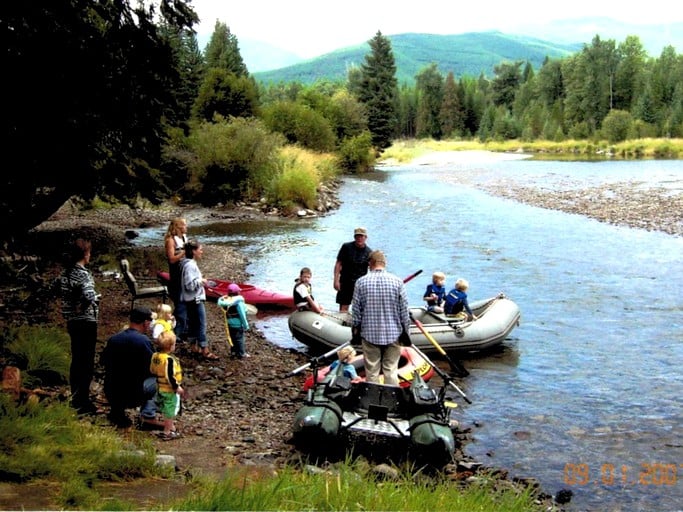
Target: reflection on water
column 591, row 377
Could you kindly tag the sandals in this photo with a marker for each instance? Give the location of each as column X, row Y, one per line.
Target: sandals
column 199, row 352
column 168, row 436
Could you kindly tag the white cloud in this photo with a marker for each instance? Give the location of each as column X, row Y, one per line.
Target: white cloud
column 314, row 27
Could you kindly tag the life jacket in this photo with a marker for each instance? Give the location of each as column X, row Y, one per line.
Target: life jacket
column 302, row 302
column 162, row 321
column 454, row 302
column 437, row 290
column 159, row 367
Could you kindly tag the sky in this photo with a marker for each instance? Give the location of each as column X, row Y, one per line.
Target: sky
column 310, row 28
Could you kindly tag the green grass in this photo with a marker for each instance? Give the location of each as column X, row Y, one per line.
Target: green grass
column 353, row 486
column 41, row 353
column 45, row 441
column 405, row 151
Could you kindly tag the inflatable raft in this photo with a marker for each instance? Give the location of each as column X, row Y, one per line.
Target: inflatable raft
column 410, row 362
column 415, row 419
column 496, row 318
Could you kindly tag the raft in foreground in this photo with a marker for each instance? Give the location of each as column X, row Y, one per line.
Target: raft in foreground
column 497, row 317
column 415, row 419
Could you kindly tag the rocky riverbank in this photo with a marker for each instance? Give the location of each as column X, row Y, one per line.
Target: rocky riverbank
column 239, row 411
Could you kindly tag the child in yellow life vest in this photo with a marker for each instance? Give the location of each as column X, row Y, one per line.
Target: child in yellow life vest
column 166, row 368
column 164, row 321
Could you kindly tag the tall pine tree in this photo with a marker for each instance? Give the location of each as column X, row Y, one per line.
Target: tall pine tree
column 377, row 90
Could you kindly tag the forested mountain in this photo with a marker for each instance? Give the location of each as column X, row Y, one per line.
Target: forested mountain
column 464, row 54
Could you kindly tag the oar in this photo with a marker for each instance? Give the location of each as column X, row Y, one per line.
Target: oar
column 458, row 368
column 324, row 356
column 442, row 374
column 411, row 276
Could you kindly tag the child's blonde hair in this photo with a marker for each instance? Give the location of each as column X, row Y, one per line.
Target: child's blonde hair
column 438, row 276
column 462, row 284
column 346, row 354
column 164, row 311
column 165, row 341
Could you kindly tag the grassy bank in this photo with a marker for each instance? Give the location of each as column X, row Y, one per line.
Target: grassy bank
column 88, row 464
column 407, row 150
column 45, row 444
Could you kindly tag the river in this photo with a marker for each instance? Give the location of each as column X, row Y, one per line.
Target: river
column 586, row 393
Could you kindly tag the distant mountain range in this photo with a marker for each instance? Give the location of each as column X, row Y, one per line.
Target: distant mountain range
column 464, row 54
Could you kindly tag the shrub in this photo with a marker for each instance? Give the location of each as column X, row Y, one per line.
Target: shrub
column 235, row 159
column 617, row 125
column 356, row 153
column 297, row 181
column 300, row 125
column 42, row 353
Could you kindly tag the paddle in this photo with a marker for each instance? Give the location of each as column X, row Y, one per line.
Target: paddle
column 324, row 356
column 458, row 368
column 411, row 276
column 442, row 374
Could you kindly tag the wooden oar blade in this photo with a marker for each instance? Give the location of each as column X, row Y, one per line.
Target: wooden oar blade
column 458, row 368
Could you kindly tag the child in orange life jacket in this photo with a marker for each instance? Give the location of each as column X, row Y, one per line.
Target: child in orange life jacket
column 164, row 321
column 236, row 316
column 166, row 368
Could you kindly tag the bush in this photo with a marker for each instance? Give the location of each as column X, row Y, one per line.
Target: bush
column 300, row 125
column 42, row 353
column 235, row 160
column 297, row 182
column 356, row 153
column 617, row 125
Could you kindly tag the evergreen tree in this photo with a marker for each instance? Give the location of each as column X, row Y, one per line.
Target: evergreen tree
column 430, row 98
column 407, row 111
column 225, row 94
column 549, row 83
column 629, row 77
column 223, row 51
column 505, row 84
column 452, row 109
column 190, row 64
column 377, row 90
column 93, row 89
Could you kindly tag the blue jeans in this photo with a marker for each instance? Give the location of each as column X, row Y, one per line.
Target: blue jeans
column 149, row 389
column 196, row 323
column 180, row 313
column 237, row 335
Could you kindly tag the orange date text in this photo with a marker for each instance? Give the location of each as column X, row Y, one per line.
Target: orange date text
column 647, row 473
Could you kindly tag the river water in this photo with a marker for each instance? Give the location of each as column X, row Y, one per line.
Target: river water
column 586, row 393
